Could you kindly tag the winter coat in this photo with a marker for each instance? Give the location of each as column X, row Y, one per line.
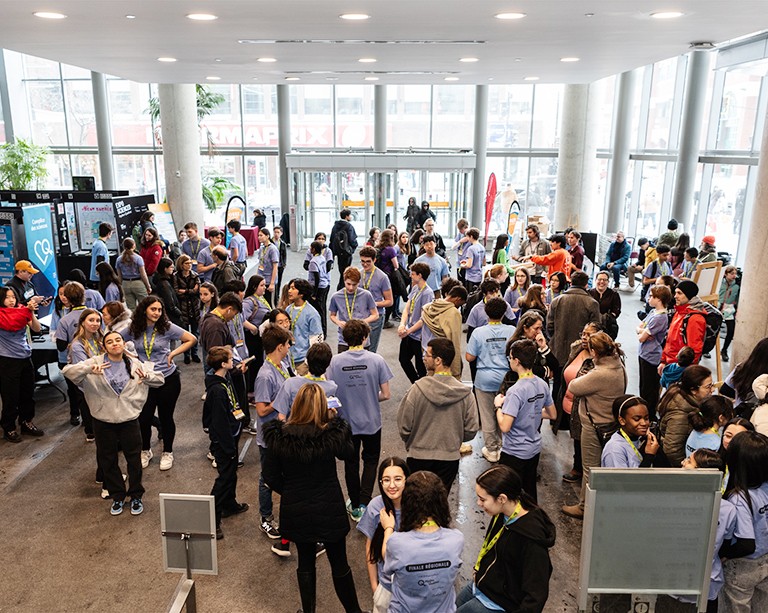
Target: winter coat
column 436, row 415
column 599, row 388
column 223, row 275
column 223, row 428
column 424, row 214
column 675, row 426
column 162, row 287
column 189, row 301
column 515, row 572
column 300, row 465
column 568, row 314
column 618, row 253
column 695, row 331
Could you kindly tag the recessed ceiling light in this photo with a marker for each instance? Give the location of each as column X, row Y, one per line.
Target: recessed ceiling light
column 130, row 16
column 266, row 60
column 367, row 60
column 291, row 78
column 49, row 15
column 331, row 78
column 569, row 59
column 355, row 16
column 371, row 78
column 667, row 15
column 531, row 78
column 166, row 59
column 589, row 14
column 469, row 60
column 201, row 17
column 218, row 59
column 213, row 78
column 451, row 78
column 510, row 16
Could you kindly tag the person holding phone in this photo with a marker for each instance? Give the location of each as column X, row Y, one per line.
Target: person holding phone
column 634, row 445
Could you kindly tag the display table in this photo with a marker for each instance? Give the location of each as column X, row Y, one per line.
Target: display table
column 44, row 352
column 250, row 234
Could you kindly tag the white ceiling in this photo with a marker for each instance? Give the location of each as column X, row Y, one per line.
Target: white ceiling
column 621, row 35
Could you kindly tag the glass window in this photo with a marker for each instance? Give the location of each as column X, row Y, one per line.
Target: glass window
column 81, row 117
column 651, row 194
column 46, row 113
column 87, row 166
column 129, row 113
column 510, row 111
column 312, row 116
column 260, row 115
column 542, row 188
column 262, row 185
column 318, row 100
column 546, row 116
column 660, row 106
column 607, row 91
column 727, row 199
column 511, row 184
column 136, row 173
column 224, row 123
column 408, row 116
column 453, row 116
column 59, row 172
column 74, row 72
column 354, row 116
column 39, row 68
column 738, row 110
column 2, row 125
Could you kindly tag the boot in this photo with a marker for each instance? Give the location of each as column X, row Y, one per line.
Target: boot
column 307, row 590
column 346, row 592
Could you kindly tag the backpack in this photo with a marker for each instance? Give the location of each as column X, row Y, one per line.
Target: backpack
column 341, row 240
column 713, row 318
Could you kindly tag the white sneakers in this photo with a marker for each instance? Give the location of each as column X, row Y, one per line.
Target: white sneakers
column 491, row 456
column 166, row 460
column 146, row 456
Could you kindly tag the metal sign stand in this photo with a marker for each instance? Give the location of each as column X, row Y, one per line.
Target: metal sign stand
column 185, row 591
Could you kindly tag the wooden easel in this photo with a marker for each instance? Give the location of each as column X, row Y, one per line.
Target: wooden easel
column 708, row 277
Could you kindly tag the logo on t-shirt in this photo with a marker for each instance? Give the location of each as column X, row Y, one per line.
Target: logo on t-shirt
column 353, row 368
column 418, row 568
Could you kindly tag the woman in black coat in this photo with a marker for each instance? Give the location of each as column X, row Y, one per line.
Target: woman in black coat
column 162, row 286
column 300, row 465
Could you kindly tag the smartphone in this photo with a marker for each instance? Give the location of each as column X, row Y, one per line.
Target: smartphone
column 655, row 429
column 334, row 403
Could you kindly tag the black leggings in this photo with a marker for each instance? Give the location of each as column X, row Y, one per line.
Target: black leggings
column 163, row 399
column 730, row 327
column 410, row 349
column 337, row 556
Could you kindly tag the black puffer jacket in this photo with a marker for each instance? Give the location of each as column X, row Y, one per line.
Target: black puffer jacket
column 300, row 465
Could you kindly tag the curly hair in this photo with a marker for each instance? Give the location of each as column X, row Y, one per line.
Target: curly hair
column 139, row 319
column 424, row 498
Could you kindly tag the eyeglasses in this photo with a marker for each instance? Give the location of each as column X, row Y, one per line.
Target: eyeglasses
column 708, row 386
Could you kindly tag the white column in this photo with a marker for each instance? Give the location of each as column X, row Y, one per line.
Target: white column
column 181, row 153
column 577, row 169
column 479, row 180
column 103, row 134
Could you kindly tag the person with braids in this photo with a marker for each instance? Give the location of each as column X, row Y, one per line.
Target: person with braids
column 393, row 472
column 634, row 445
column 513, row 568
column 116, row 386
column 153, row 335
column 86, row 343
column 423, row 557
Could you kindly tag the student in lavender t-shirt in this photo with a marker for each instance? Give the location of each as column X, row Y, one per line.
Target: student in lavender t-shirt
column 194, row 243
column 363, row 382
column 651, row 334
column 490, row 289
column 424, row 557
column 474, row 260
column 438, row 267
column 238, row 248
column 411, row 323
column 153, row 336
column 377, row 282
column 272, row 375
column 205, row 262
column 351, row 302
column 269, row 259
column 319, row 276
column 318, row 359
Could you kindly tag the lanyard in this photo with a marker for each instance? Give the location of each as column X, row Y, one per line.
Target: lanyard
column 444, row 373
column 413, row 301
column 264, row 302
column 279, row 369
column 80, row 308
column 490, row 543
column 351, row 309
column 367, row 284
column 93, row 348
column 197, row 249
column 725, row 481
column 631, row 444
column 528, row 374
column 428, row 523
column 298, row 314
column 231, row 395
column 494, row 323
column 238, row 328
column 148, row 348
column 715, row 431
column 313, row 378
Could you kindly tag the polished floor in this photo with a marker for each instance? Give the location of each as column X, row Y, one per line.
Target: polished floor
column 63, row 552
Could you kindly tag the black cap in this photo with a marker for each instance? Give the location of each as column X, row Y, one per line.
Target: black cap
column 672, row 225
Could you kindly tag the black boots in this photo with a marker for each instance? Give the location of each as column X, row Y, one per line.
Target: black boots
column 345, row 591
column 307, row 590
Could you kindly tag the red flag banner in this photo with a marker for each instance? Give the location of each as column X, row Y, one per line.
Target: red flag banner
column 490, row 199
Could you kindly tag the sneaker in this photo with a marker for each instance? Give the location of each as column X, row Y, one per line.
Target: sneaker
column 573, row 510
column 572, row 477
column 388, row 325
column 27, row 427
column 136, row 506
column 166, row 460
column 357, row 513
column 146, row 456
column 89, row 438
column 268, row 529
column 74, row 420
column 319, row 550
column 204, row 396
column 249, row 430
column 491, row 456
column 196, row 359
column 465, row 449
column 706, row 355
column 210, row 456
column 282, row 549
column 12, row 436
column 117, row 507
column 219, row 534
column 240, row 508
column 724, row 356
column 104, row 494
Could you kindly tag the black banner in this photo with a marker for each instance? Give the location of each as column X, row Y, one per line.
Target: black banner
column 128, row 212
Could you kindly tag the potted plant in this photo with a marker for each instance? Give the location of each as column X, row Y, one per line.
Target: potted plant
column 215, row 189
column 22, row 165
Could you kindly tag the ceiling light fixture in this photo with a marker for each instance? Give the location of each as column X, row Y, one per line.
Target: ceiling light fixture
column 371, row 78
column 367, row 60
column 531, row 78
column 667, row 15
column 218, row 59
column 354, row 16
column 202, row 17
column 130, row 16
column 213, row 78
column 166, row 59
column 266, row 60
column 469, row 60
column 292, row 78
column 510, row 16
column 569, row 59
column 451, row 78
column 49, row 15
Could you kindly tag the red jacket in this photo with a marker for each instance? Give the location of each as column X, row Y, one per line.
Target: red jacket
column 151, row 255
column 695, row 332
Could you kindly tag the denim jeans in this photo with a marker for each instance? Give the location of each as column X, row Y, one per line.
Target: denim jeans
column 265, row 494
column 746, row 585
column 467, row 603
column 375, row 333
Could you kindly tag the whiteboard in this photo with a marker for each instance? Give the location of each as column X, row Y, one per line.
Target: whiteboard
column 89, row 216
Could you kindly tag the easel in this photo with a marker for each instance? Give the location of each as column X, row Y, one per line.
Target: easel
column 708, row 277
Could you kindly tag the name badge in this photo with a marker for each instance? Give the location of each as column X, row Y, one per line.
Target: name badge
column 239, row 342
column 238, row 414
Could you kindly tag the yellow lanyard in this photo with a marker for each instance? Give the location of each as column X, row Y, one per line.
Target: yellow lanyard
column 489, row 542
column 265, row 303
column 725, row 481
column 413, row 301
column 313, row 378
column 356, row 348
column 279, row 369
column 197, row 250
column 80, row 308
column 351, row 309
column 428, row 523
column 367, row 284
column 528, row 374
column 293, row 310
column 494, row 323
column 631, row 444
column 231, row 395
column 148, row 348
column 93, row 348
column 715, row 431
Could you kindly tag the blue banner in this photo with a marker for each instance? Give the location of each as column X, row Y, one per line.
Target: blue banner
column 40, row 250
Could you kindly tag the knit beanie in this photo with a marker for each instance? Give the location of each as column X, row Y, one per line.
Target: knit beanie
column 689, row 288
column 708, row 240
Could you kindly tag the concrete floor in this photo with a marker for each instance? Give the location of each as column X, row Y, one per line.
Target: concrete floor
column 63, row 552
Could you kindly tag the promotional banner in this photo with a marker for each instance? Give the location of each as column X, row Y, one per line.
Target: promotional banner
column 235, row 211
column 490, row 199
column 89, row 216
column 164, row 220
column 128, row 212
column 40, row 251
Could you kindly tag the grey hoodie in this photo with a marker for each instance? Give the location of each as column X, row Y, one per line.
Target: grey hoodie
column 436, row 415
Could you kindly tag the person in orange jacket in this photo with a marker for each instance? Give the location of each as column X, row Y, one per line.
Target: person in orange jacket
column 558, row 260
column 686, row 303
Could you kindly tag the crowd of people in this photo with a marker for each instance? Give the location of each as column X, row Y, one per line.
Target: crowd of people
column 540, row 345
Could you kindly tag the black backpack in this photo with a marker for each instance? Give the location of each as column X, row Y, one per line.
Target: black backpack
column 713, row 318
column 341, row 241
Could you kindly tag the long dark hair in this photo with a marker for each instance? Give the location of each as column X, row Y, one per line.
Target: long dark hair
column 126, row 359
column 709, row 413
column 750, row 369
column 377, row 540
column 155, row 236
column 253, row 284
column 501, row 479
column 139, row 319
column 747, row 460
column 129, row 250
column 214, row 295
column 502, row 240
column 107, row 275
column 692, row 377
column 736, row 421
column 424, row 497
